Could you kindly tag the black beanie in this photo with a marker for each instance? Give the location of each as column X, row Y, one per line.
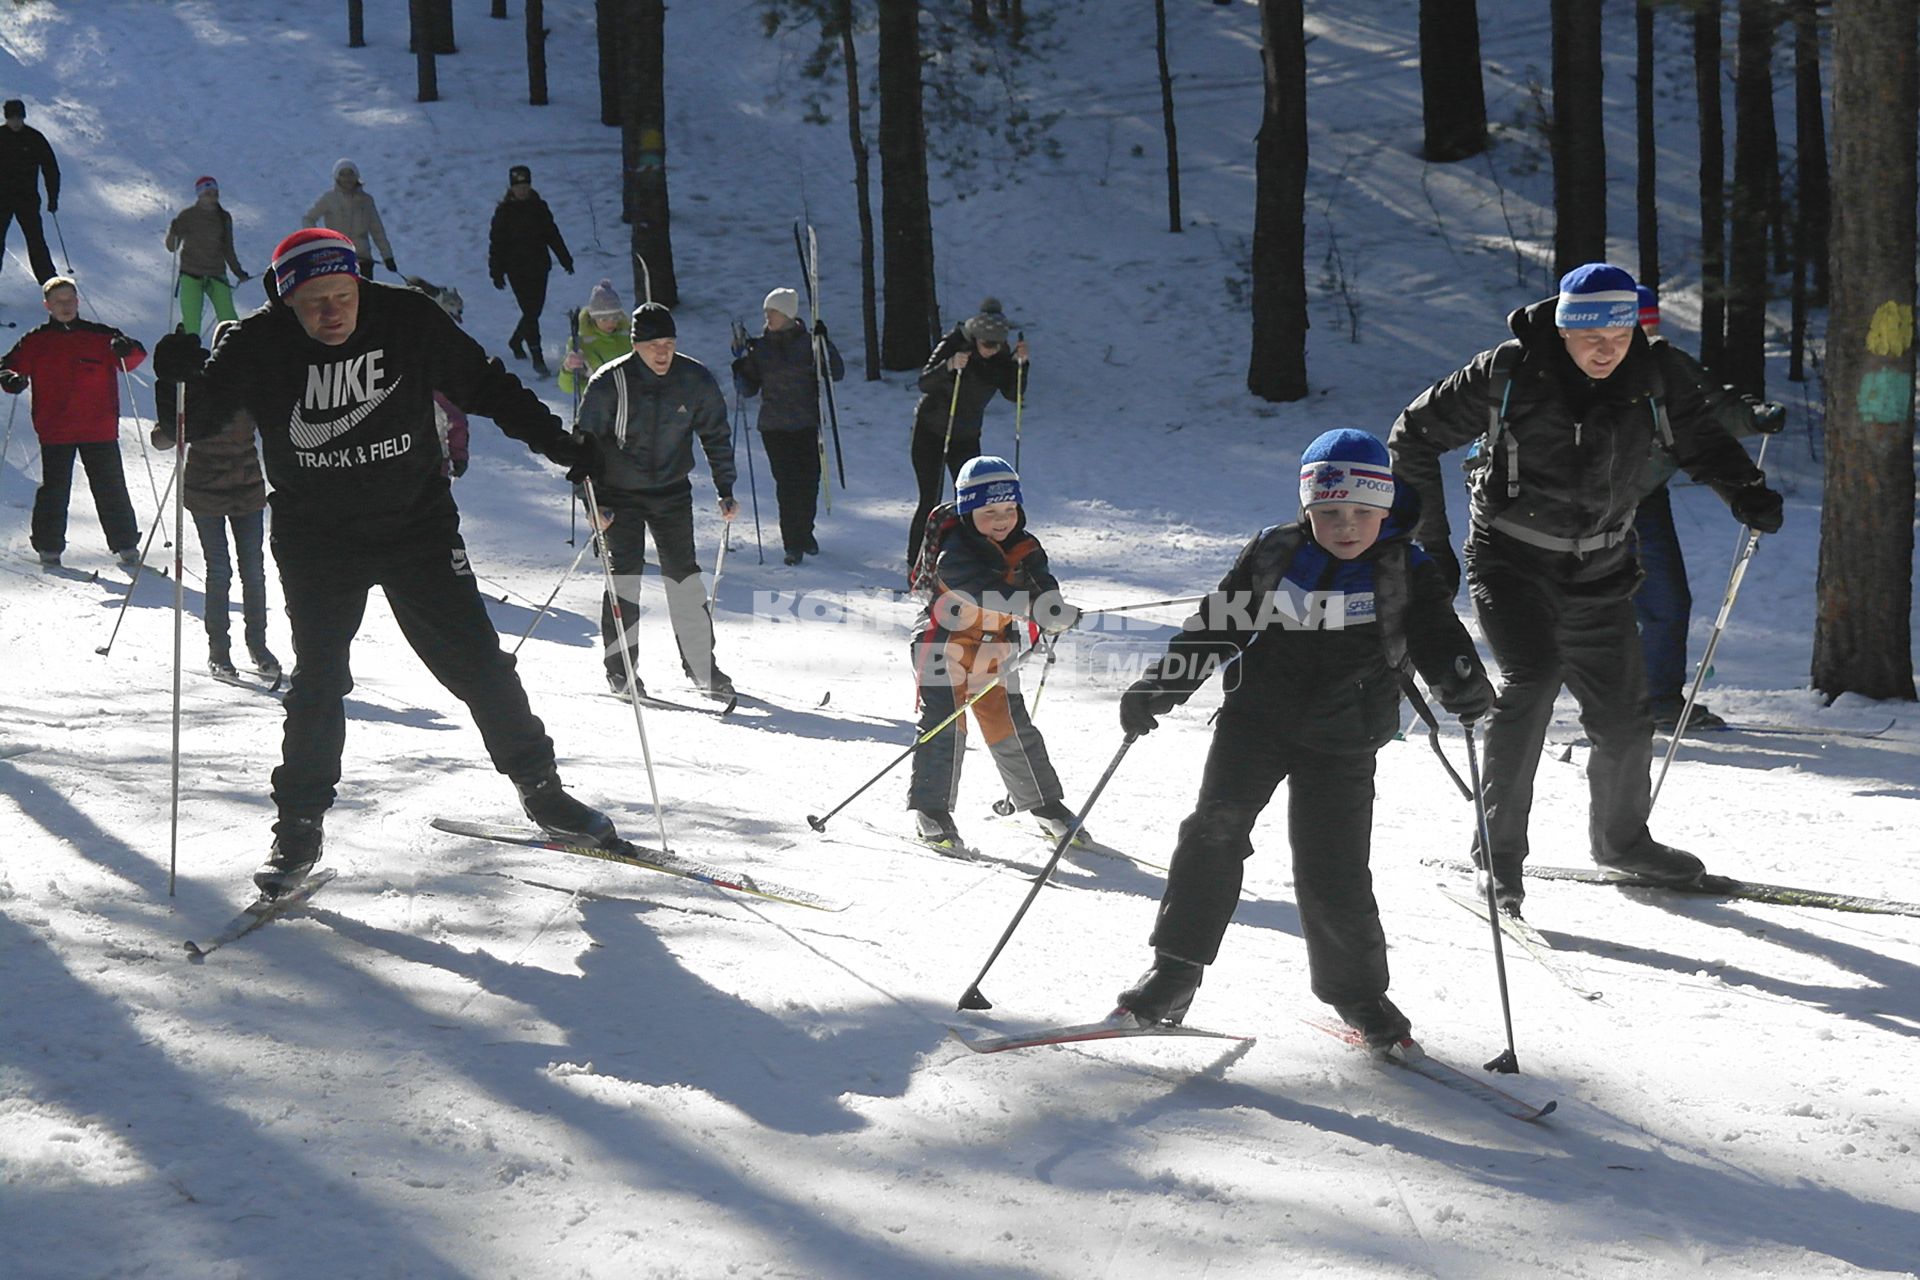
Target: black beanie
column 651, row 321
column 519, row 173
column 15, row 109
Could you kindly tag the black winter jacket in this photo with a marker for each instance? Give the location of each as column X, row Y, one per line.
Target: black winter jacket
column 522, row 233
column 983, row 376
column 1582, row 449
column 25, row 154
column 778, row 367
column 646, row 424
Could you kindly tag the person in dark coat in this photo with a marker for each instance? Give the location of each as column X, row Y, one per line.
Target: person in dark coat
column 1550, row 556
column 519, row 243
column 25, row 157
column 644, row 410
column 779, row 367
column 339, row 373
column 974, row 358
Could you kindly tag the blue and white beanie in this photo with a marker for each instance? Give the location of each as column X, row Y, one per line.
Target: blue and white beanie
column 985, row 481
column 1597, row 295
column 1347, row 465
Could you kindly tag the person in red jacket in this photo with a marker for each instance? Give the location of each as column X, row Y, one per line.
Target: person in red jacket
column 73, row 364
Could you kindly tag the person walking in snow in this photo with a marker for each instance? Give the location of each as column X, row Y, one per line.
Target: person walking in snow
column 1567, row 413
column 521, row 246
column 778, row 366
column 1664, row 603
column 347, row 208
column 202, row 234
column 1322, row 620
column 339, row 374
column 25, row 158
column 975, row 360
column 602, row 331
column 226, row 495
column 74, row 368
column 644, row 409
column 984, row 578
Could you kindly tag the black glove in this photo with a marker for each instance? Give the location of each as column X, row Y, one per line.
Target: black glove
column 738, row 351
column 12, row 381
column 581, row 455
column 499, row 282
column 123, row 346
column 53, row 204
column 1769, row 416
column 178, row 357
column 820, row 329
column 1758, row 507
column 388, row 264
column 567, row 267
column 1466, row 693
column 1448, row 564
column 241, row 277
column 459, row 467
column 1142, row 705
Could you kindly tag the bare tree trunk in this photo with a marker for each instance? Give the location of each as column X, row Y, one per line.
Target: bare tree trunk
column 862, row 188
column 1166, row 116
column 644, row 145
column 1713, row 171
column 1277, row 365
column 499, row 9
column 982, row 20
column 1452, row 97
column 1810, row 135
column 1755, row 158
column 1579, row 144
column 1862, row 640
column 606, row 28
column 356, row 24
column 1646, row 149
column 426, row 78
column 436, row 23
column 536, row 50
column 906, row 220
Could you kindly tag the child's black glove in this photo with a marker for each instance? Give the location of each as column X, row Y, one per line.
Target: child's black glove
column 12, row 381
column 1142, row 705
column 1468, row 694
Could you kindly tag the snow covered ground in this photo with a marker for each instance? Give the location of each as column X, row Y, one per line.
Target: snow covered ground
column 469, row 1060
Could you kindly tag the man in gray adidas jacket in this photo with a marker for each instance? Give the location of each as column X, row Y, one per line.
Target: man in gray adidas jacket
column 1567, row 416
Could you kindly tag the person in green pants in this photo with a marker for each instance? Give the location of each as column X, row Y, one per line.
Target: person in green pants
column 202, row 234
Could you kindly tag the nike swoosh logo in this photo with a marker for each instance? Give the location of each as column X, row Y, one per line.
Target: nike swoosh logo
column 311, row 435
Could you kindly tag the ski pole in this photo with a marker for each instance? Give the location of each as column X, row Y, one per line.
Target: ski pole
column 541, row 612
column 106, row 649
column 599, row 533
column 1145, row 604
column 179, row 614
column 946, row 445
column 1005, row 806
column 573, row 499
column 1749, row 543
column 719, row 566
column 140, row 443
column 833, row 415
column 63, row 243
column 971, row 998
column 819, row 822
column 1508, row 1062
column 753, row 485
column 6, row 449
column 1019, row 402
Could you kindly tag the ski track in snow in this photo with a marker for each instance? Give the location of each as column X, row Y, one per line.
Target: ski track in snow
column 463, row 1059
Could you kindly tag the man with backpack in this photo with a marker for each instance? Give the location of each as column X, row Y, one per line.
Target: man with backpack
column 1567, row 415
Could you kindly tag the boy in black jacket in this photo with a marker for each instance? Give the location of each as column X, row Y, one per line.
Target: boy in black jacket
column 1315, row 626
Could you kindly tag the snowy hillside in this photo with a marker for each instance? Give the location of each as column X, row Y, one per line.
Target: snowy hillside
column 466, row 1059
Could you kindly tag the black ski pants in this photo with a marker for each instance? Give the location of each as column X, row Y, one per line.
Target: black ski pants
column 530, row 291
column 110, row 501
column 794, row 459
column 1330, row 828
column 1545, row 634
column 26, row 211
column 432, row 593
column 668, row 515
column 927, row 459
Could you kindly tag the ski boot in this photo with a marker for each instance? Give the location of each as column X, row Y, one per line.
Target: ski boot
column 129, row 557
column 791, row 558
column 1655, row 861
column 617, row 686
column 49, row 560
column 1056, row 820
column 1164, row 992
column 296, row 847
column 1509, row 891
column 263, row 661
column 220, row 661
column 935, row 828
column 1666, row 715
column 1378, row 1020
column 558, row 814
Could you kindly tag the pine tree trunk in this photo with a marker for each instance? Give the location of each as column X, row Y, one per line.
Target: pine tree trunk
column 1744, row 364
column 1277, row 366
column 1862, row 640
column 644, row 145
column 419, row 37
column 1579, row 144
column 442, row 13
column 606, row 30
column 862, row 189
column 1453, row 98
column 1713, row 170
column 1810, row 136
column 1647, row 151
column 536, row 51
column 499, row 9
column 356, row 24
column 906, row 220
column 1166, row 116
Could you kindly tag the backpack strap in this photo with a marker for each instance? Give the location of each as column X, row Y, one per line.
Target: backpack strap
column 1506, row 358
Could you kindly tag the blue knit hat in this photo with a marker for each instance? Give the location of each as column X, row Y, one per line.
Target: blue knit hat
column 1597, row 295
column 1649, row 305
column 985, row 481
column 1347, row 465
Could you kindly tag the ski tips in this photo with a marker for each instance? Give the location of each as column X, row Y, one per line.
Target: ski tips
column 972, row 999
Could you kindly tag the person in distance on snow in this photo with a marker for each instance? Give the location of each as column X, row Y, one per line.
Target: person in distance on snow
column 602, row 331
column 778, row 367
column 1568, row 413
column 339, row 374
column 644, row 409
column 25, row 157
column 202, row 234
column 521, row 246
column 1314, row 629
column 74, row 366
column 225, row 491
column 976, row 356
column 1664, row 604
column 983, row 577
column 347, row 208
